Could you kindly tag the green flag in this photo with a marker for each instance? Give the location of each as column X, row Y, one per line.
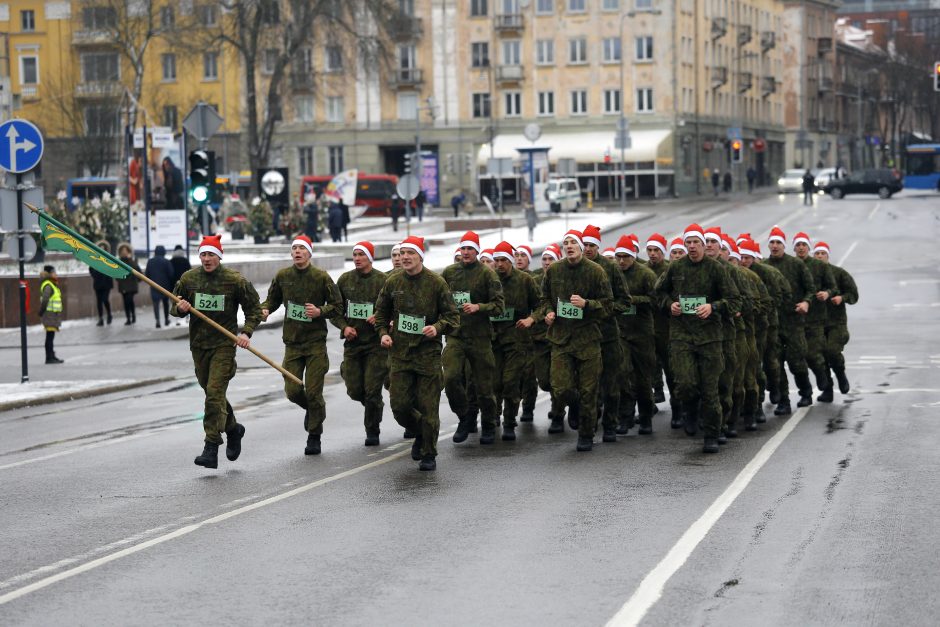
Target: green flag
column 57, row 236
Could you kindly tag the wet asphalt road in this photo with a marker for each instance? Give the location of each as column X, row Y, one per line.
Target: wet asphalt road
column 106, row 521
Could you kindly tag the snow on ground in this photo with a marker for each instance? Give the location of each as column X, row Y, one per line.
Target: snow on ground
column 34, row 390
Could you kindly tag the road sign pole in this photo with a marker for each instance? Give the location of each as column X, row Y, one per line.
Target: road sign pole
column 24, row 376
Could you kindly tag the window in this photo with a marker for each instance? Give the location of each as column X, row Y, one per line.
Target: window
column 579, row 102
column 334, row 59
column 303, row 109
column 611, row 47
column 643, row 4
column 545, row 52
column 545, row 6
column 207, row 14
column 335, row 109
column 407, row 106
column 546, row 103
column 407, row 58
column 303, row 63
column 268, row 61
column 577, row 50
column 305, row 161
column 644, row 100
column 101, row 121
column 167, row 17
column 270, row 12
column 478, row 8
column 100, row 66
column 480, row 54
column 644, row 48
column 168, row 62
column 406, row 7
column 170, row 116
column 512, row 52
column 611, row 101
column 29, row 70
column 210, row 66
column 336, row 159
column 481, row 105
column 513, row 102
column 28, row 21
column 577, row 6
column 610, row 5
column 99, row 18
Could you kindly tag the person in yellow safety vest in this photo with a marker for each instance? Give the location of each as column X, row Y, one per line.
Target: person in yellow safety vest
column 50, row 310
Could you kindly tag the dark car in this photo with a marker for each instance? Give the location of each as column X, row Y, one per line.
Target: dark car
column 883, row 182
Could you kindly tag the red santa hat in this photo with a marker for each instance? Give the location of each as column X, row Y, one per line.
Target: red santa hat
column 414, row 243
column 693, row 230
column 367, row 248
column 742, row 237
column 487, row 253
column 576, row 236
column 714, row 233
column 212, row 244
column 609, row 252
column 552, row 251
column 504, row 250
column 591, row 235
column 657, row 241
column 470, row 239
column 732, row 248
column 801, row 238
column 636, row 240
column 678, row 244
column 626, row 246
column 396, row 247
column 526, row 249
column 821, row 247
column 777, row 235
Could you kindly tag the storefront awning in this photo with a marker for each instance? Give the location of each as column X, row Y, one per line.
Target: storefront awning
column 590, row 147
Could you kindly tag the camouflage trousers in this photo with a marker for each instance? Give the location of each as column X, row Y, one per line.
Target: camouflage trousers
column 662, row 365
column 576, row 374
column 477, row 353
column 511, row 361
column 415, row 396
column 742, row 356
column 697, row 367
column 768, row 354
column 836, row 339
column 816, row 355
column 364, row 372
column 215, row 367
column 540, row 356
column 636, row 387
column 726, row 379
column 309, row 364
column 530, row 384
column 612, row 372
column 793, row 353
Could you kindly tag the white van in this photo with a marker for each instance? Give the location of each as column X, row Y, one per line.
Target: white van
column 563, row 194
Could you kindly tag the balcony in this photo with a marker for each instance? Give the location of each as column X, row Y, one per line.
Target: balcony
column 29, row 92
column 404, row 27
column 92, row 38
column 768, row 40
column 509, row 73
column 768, row 85
column 827, row 125
column 745, row 81
column 99, row 90
column 508, row 22
column 745, row 34
column 406, row 78
column 823, row 45
column 825, row 84
column 301, row 81
column 719, row 27
column 719, row 76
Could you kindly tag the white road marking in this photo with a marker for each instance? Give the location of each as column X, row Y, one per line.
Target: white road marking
column 651, row 588
column 918, row 282
column 878, row 358
column 914, row 305
column 874, row 210
column 847, row 253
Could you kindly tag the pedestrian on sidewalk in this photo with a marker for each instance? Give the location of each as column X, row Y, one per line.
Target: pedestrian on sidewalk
column 50, row 310
column 102, row 285
column 335, row 222
column 160, row 271
column 716, row 181
column 346, row 220
column 727, row 182
column 457, row 201
column 180, row 262
column 751, row 177
column 809, row 182
column 395, row 210
column 128, row 285
column 420, row 199
column 531, row 219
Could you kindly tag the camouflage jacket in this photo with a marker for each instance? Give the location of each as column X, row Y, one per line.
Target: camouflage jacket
column 481, row 285
column 732, row 321
column 218, row 295
column 847, row 289
column 295, row 288
column 359, row 292
column 408, row 301
column 539, row 330
column 637, row 320
column 689, row 283
column 802, row 287
column 762, row 305
column 778, row 289
column 609, row 326
column 522, row 297
column 825, row 282
column 575, row 329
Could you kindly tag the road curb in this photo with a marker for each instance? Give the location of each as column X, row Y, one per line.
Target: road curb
column 73, row 396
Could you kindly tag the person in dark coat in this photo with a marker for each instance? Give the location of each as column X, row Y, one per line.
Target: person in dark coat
column 172, row 184
column 457, row 201
column 335, row 222
column 395, row 210
column 420, row 200
column 809, row 184
column 128, row 285
column 312, row 223
column 160, row 271
column 102, row 284
column 751, row 177
column 180, row 263
column 727, row 182
column 346, row 219
column 716, row 181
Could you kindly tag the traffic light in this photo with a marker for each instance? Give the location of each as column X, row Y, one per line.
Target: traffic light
column 737, row 149
column 202, row 175
column 408, row 162
column 936, row 76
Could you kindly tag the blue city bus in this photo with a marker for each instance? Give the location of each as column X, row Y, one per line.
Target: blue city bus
column 922, row 169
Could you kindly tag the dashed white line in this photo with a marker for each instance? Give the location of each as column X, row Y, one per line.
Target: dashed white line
column 847, row 253
column 874, row 210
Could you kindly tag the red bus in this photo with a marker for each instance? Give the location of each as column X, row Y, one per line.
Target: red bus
column 373, row 191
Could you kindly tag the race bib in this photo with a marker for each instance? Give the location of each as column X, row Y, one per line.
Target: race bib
column 297, row 312
column 508, row 315
column 630, row 311
column 210, row 302
column 359, row 311
column 567, row 310
column 462, row 298
column 410, row 324
column 688, row 304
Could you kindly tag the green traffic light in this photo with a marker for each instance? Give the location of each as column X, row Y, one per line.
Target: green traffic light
column 200, row 193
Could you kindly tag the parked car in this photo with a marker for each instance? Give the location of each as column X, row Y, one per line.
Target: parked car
column 823, row 177
column 883, row 182
column 563, row 194
column 791, row 182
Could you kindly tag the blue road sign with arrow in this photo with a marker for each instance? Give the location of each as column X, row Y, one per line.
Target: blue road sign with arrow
column 21, row 146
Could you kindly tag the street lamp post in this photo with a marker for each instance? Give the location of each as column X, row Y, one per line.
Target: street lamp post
column 623, row 122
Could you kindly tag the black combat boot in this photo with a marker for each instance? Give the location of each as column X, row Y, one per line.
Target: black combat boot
column 558, row 424
column 52, row 359
column 623, row 426
column 488, row 436
column 610, row 434
column 313, row 444
column 416, row 448
column 783, row 408
column 428, row 462
column 509, row 434
column 209, row 457
column 826, row 396
column 690, row 420
column 646, row 425
column 233, row 442
column 759, row 416
column 774, row 397
column 472, row 422
column 408, row 434
column 805, row 388
column 574, row 416
column 722, row 438
column 710, row 446
column 805, row 401
column 463, row 428
column 843, row 381
column 659, row 396
column 526, row 416
column 372, row 439
column 585, row 443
